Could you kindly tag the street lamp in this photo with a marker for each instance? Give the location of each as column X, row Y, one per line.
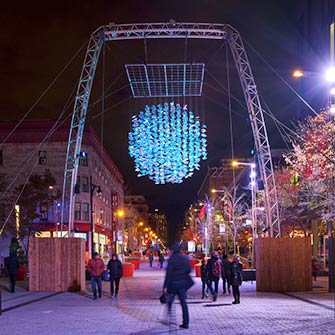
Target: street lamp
column 93, row 187
column 252, row 186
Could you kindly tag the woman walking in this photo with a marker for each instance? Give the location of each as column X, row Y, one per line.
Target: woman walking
column 236, row 278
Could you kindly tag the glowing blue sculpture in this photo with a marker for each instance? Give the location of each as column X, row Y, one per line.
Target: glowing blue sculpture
column 167, row 143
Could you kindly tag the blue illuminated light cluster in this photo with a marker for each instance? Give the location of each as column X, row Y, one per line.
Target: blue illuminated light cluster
column 167, row 143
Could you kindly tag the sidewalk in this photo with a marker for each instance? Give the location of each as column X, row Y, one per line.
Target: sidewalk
column 137, row 310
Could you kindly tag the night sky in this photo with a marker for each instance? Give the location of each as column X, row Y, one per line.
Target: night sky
column 38, row 38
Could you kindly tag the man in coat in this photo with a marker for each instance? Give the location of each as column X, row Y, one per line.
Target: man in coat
column 178, row 281
column 114, row 267
column 12, row 265
column 96, row 267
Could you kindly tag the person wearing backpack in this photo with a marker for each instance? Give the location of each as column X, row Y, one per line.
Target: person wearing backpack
column 214, row 271
column 236, row 278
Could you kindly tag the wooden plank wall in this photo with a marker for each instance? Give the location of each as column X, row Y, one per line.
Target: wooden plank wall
column 283, row 264
column 54, row 263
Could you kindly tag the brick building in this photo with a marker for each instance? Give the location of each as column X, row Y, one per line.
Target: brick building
column 34, row 147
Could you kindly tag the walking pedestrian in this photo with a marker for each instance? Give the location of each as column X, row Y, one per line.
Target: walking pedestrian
column 161, row 260
column 236, row 278
column 12, row 265
column 151, row 259
column 225, row 274
column 204, row 279
column 214, row 272
column 96, row 267
column 114, row 267
column 178, row 281
column 315, row 267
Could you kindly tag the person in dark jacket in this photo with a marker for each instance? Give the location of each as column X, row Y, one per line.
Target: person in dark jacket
column 12, row 265
column 161, row 260
column 178, row 281
column 14, row 246
column 151, row 258
column 236, row 278
column 204, row 279
column 225, row 274
column 114, row 267
column 212, row 276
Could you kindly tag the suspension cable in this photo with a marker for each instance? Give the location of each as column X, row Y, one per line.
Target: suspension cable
column 43, row 94
column 282, row 79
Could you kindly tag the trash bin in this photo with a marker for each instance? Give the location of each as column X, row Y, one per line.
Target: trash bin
column 128, row 269
column 135, row 261
column 193, row 262
column 197, row 270
column 21, row 273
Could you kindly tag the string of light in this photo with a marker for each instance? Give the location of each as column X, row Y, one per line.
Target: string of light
column 167, row 143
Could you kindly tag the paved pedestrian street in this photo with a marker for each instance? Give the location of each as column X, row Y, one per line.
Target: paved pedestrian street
column 137, row 310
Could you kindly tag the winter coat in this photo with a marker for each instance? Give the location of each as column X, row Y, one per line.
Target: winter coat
column 225, row 269
column 178, row 270
column 203, row 272
column 96, row 267
column 12, row 264
column 236, row 273
column 161, row 258
column 115, row 268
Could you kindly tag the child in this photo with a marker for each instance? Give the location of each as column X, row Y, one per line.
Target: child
column 204, row 279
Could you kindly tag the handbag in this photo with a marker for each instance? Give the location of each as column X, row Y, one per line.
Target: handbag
column 106, row 276
column 190, row 282
column 166, row 298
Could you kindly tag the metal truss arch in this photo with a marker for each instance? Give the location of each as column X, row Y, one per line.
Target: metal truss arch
column 113, row 32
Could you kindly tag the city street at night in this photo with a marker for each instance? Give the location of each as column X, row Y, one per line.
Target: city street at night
column 137, row 310
column 142, row 140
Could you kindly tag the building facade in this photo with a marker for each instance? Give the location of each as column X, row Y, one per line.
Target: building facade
column 37, row 146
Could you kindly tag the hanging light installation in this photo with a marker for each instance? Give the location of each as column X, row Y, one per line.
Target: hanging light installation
column 167, row 143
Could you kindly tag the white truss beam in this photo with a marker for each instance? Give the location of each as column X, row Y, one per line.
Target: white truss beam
column 171, row 30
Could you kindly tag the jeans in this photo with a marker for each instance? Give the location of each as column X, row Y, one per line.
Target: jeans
column 179, row 288
column 205, row 287
column 117, row 284
column 96, row 280
column 216, row 286
column 236, row 293
column 225, row 283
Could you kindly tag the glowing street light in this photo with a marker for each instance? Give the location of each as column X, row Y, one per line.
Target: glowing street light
column 330, row 75
column 297, row 74
column 252, row 185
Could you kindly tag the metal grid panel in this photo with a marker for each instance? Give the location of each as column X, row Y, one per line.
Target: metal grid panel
column 165, row 80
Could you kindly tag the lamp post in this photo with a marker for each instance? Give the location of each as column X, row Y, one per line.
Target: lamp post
column 231, row 200
column 252, row 186
column 93, row 187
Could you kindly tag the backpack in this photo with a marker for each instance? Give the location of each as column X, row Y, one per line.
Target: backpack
column 216, row 268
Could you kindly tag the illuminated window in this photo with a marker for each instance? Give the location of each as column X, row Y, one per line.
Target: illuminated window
column 83, row 161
